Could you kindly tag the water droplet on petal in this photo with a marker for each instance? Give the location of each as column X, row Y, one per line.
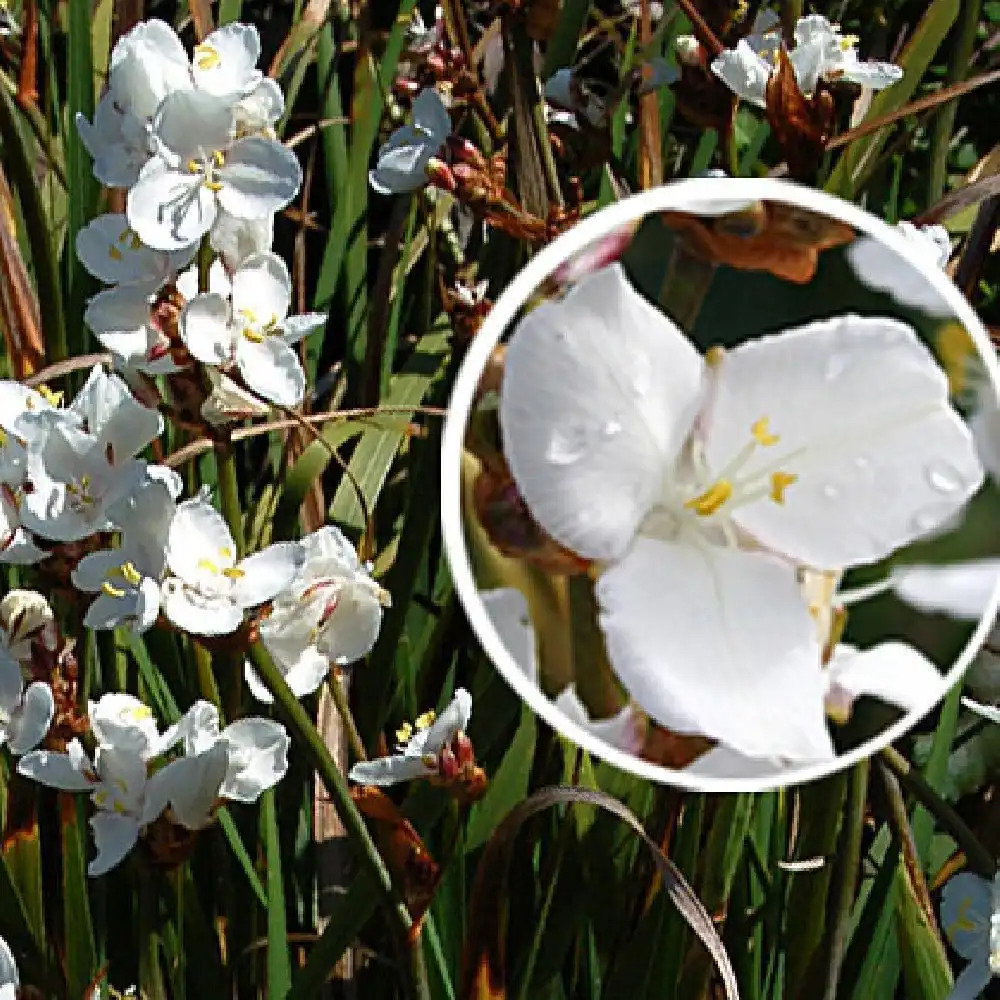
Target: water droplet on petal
column 612, row 428
column 830, row 491
column 931, row 517
column 567, row 445
column 835, row 366
column 943, row 477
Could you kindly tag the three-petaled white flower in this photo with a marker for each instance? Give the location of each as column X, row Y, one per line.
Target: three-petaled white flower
column 253, row 330
column 82, row 459
column 699, row 485
column 402, row 161
column 200, row 167
column 207, row 590
column 970, row 916
column 419, row 746
column 330, row 613
column 820, row 52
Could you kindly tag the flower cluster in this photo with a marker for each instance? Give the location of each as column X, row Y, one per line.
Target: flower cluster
column 719, row 499
column 193, row 141
column 132, row 783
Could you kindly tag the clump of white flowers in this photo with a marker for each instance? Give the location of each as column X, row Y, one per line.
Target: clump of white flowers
column 193, row 142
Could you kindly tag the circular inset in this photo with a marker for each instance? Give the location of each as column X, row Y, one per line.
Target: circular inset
column 674, row 498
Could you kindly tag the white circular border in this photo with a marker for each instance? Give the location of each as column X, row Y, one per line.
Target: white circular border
column 677, row 196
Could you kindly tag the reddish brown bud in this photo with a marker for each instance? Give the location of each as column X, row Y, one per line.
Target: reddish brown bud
column 440, row 174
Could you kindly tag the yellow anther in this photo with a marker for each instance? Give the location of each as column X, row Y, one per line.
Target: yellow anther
column 404, row 733
column 712, row 499
column 193, row 167
column 206, row 57
column 207, row 564
column 714, row 355
column 218, row 157
column 962, row 921
column 780, row 481
column 114, row 253
column 3, row 438
column 55, row 398
column 135, row 242
column 848, row 42
column 762, row 434
column 130, row 573
column 118, row 807
column 425, row 721
column 137, row 713
column 111, row 590
column 226, row 552
column 85, row 482
column 233, row 573
column 955, row 348
column 742, row 9
column 213, row 185
column 247, row 314
column 253, row 336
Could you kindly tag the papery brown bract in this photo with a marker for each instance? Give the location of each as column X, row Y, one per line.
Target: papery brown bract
column 782, row 239
column 676, row 750
column 802, row 125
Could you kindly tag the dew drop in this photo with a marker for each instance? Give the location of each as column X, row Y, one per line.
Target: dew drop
column 931, row 517
column 567, row 445
column 943, row 477
column 612, row 428
column 830, row 491
column 835, row 366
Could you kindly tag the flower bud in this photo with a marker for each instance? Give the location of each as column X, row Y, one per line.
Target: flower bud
column 440, row 174
column 689, row 51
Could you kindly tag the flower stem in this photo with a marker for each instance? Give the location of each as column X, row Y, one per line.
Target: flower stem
column 980, row 860
column 338, row 693
column 150, row 974
column 229, row 494
column 336, row 787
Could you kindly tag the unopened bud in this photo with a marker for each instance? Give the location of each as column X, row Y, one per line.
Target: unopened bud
column 440, row 174
column 689, row 51
column 436, row 64
column 463, row 151
column 465, row 754
column 448, row 768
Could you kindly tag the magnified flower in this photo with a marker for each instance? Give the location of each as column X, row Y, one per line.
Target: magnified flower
column 702, row 483
column 403, row 160
column 970, row 917
column 208, row 591
column 430, row 748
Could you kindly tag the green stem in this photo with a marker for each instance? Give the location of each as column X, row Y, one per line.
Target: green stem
column 279, row 968
column 980, row 860
column 354, row 825
column 150, row 974
column 850, row 862
column 339, row 696
column 229, row 494
column 206, row 676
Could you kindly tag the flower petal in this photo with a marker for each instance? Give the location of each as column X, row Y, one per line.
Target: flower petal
column 31, row 722
column 384, row 771
column 272, row 369
column 8, row 967
column 260, row 177
column 743, row 72
column 508, row 610
column 170, row 209
column 189, row 786
column 114, row 836
column 966, row 904
column 860, row 409
column 266, row 572
column 57, row 770
column 204, row 328
column 893, row 672
column 962, row 590
column 197, row 614
column 452, row 721
column 717, row 642
column 258, row 758
column 198, row 531
column 599, row 392
column 621, row 731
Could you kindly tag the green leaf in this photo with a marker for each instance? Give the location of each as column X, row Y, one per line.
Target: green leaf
column 858, row 161
column 279, row 968
column 81, row 955
column 507, row 787
column 926, row 971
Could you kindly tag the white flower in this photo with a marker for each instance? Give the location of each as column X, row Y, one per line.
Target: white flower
column 25, row 616
column 25, row 714
column 255, row 750
column 225, row 63
column 962, row 590
column 121, row 721
column 147, row 64
column 253, row 330
column 420, row 746
column 122, row 320
column 403, row 159
column 116, row 779
column 820, row 52
column 114, row 254
column 228, row 402
column 208, row 590
column 701, row 486
column 236, row 239
column 199, row 169
column 509, row 613
column 970, row 918
column 9, row 979
column 330, row 613
column 127, row 579
column 87, row 459
column 877, row 266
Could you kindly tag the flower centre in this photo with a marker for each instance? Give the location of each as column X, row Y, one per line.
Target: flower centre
column 126, row 572
column 207, row 166
column 79, row 494
column 253, row 329
column 729, row 489
column 206, row 57
column 408, row 730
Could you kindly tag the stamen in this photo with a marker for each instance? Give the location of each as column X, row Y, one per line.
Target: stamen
column 712, row 499
column 780, row 481
column 404, row 733
column 233, row 573
column 193, row 167
column 55, row 398
column 762, row 434
column 218, row 157
column 114, row 253
column 714, row 356
column 226, row 552
column 213, row 186
column 206, row 57
column 425, row 721
column 130, row 573
column 207, row 564
column 111, row 590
